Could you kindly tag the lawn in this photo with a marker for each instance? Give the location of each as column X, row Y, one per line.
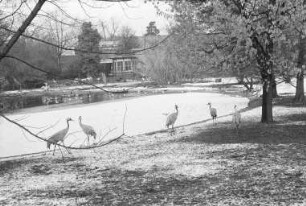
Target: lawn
column 201, row 164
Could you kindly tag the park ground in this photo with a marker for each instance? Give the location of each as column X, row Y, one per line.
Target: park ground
column 200, row 164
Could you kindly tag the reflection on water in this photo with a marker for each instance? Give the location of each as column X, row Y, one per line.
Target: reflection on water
column 12, row 103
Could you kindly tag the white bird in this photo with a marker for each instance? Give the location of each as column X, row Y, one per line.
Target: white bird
column 87, row 129
column 59, row 137
column 213, row 112
column 171, row 119
column 236, row 118
column 46, row 87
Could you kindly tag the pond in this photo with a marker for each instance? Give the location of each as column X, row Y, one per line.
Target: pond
column 11, row 103
column 143, row 114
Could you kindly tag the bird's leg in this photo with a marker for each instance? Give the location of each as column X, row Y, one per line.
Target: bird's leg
column 68, row 150
column 88, row 140
column 84, row 142
column 54, row 150
column 61, row 152
column 237, row 130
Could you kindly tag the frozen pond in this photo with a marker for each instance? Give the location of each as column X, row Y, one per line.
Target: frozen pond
column 144, row 114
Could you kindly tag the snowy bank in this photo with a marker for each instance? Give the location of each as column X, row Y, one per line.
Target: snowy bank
column 144, row 114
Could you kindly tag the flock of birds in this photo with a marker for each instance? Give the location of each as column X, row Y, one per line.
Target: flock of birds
column 170, row 121
column 60, row 135
column 236, row 118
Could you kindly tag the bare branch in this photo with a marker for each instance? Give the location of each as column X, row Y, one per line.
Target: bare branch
column 91, row 52
column 21, row 29
column 100, row 140
column 123, row 124
column 21, row 118
column 25, row 136
column 84, row 10
column 60, row 145
column 48, row 128
column 14, row 12
column 65, row 13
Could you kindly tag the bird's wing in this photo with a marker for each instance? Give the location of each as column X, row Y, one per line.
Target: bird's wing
column 172, row 118
column 88, row 127
column 58, row 135
column 169, row 118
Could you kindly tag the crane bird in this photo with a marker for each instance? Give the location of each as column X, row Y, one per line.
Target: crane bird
column 87, row 129
column 172, row 118
column 236, row 118
column 59, row 137
column 213, row 112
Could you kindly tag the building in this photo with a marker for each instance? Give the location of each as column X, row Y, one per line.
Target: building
column 127, row 66
column 118, row 66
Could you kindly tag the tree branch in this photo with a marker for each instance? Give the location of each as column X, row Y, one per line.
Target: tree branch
column 60, row 145
column 91, row 52
column 21, row 29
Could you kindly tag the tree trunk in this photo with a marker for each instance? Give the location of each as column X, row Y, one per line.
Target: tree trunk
column 251, row 84
column 274, row 87
column 265, row 63
column 267, row 114
column 59, row 63
column 299, row 92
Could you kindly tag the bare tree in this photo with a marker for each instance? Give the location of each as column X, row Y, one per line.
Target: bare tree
column 113, row 29
column 61, row 35
column 127, row 40
column 110, row 29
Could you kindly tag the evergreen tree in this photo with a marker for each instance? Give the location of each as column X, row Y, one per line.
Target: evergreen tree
column 88, row 40
column 152, row 29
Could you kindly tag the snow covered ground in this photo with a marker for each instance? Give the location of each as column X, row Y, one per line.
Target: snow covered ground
column 144, row 114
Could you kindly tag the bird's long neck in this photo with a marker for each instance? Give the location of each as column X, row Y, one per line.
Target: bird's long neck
column 67, row 124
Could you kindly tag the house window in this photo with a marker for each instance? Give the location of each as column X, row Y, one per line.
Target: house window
column 134, row 64
column 128, row 66
column 119, row 66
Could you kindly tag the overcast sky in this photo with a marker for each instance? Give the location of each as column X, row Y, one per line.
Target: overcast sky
column 136, row 13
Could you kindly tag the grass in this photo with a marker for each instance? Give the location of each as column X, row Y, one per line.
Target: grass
column 201, row 164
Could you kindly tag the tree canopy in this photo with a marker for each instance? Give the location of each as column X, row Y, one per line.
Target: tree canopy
column 248, row 30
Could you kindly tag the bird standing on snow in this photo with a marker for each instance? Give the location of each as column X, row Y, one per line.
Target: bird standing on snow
column 213, row 112
column 172, row 118
column 88, row 130
column 236, row 118
column 59, row 137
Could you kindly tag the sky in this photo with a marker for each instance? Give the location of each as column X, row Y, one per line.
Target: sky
column 136, row 13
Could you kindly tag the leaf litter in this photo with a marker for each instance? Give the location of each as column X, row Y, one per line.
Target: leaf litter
column 200, row 164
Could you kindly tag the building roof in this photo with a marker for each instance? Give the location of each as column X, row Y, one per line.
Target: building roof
column 123, row 57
